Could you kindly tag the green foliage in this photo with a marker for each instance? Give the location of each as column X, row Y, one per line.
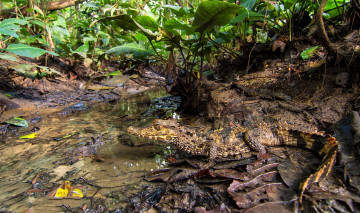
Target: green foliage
column 16, row 121
column 213, row 13
column 132, row 48
column 309, row 52
column 27, row 51
column 97, row 30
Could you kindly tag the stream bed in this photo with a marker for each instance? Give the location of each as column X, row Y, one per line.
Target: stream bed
column 86, row 145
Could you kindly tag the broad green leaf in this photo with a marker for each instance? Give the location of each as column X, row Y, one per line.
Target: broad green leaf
column 9, row 27
column 7, row 57
column 309, row 52
column 27, row 51
column 37, row 9
column 18, row 122
column 175, row 24
column 29, row 136
column 147, row 22
column 213, row 13
column 131, row 48
column 244, row 14
column 177, row 10
column 82, row 50
column 38, row 22
column 60, row 22
column 248, row 4
column 125, row 22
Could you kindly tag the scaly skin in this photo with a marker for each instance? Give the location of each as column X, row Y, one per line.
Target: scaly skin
column 237, row 141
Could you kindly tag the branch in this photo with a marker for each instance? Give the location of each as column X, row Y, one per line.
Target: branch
column 50, row 6
column 324, row 38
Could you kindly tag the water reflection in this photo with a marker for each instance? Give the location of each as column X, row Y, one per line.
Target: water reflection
column 88, row 144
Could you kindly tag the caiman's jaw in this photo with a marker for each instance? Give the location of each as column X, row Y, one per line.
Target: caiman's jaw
column 160, row 130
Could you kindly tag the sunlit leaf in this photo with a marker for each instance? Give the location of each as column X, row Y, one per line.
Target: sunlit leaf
column 18, row 122
column 75, row 192
column 29, row 136
column 27, row 51
column 118, row 72
column 10, row 27
column 309, row 52
column 213, row 13
column 63, row 190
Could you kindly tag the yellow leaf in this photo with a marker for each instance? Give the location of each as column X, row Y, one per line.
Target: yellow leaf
column 134, row 76
column 76, row 193
column 29, row 136
column 63, row 190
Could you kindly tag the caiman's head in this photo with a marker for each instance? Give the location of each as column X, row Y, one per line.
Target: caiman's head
column 160, row 130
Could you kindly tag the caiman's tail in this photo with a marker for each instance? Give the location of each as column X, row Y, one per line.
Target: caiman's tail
column 325, row 146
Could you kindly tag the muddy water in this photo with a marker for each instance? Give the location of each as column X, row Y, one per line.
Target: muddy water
column 86, row 145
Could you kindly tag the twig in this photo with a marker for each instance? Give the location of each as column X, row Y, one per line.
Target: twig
column 2, row 110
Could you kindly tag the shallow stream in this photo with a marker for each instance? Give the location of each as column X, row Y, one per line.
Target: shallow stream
column 86, row 145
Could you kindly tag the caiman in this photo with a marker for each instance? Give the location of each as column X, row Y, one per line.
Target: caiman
column 237, row 141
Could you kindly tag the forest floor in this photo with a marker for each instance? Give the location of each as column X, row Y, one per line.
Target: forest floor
column 309, row 94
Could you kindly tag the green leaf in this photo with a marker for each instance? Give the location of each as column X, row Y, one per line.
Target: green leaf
column 309, row 52
column 9, row 27
column 177, row 10
column 32, row 71
column 125, row 22
column 18, row 122
column 27, row 51
column 131, row 48
column 82, row 50
column 244, row 14
column 213, row 13
column 147, row 22
column 29, row 136
column 7, row 57
column 248, row 4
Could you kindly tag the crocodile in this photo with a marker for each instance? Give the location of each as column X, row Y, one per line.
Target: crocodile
column 238, row 141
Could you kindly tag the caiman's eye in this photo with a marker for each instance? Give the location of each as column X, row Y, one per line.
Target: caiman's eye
column 157, row 127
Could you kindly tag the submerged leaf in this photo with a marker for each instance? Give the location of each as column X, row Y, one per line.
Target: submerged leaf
column 63, row 190
column 75, row 192
column 29, row 136
column 18, row 122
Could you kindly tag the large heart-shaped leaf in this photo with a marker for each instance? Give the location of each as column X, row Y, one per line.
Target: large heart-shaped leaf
column 27, row 51
column 213, row 13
